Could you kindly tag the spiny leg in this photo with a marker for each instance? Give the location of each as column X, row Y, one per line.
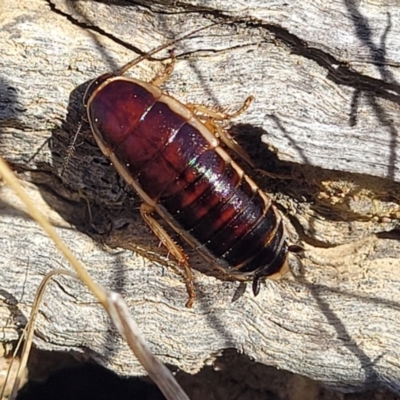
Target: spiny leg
column 219, row 115
column 211, row 123
column 163, row 75
column 229, row 141
column 214, row 127
column 172, row 247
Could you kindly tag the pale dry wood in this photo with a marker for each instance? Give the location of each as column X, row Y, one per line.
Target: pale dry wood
column 336, row 319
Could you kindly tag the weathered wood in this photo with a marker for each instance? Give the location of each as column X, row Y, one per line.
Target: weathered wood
column 324, row 77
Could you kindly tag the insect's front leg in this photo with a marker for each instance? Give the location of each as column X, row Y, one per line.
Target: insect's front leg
column 219, row 115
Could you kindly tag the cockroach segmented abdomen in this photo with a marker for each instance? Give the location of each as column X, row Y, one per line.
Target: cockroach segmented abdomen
column 180, row 171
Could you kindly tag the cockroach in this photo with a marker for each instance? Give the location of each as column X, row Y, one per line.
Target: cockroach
column 170, row 153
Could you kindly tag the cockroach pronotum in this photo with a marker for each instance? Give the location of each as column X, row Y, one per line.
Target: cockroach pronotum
column 170, row 154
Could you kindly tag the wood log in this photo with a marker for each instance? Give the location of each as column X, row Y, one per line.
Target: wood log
column 327, row 108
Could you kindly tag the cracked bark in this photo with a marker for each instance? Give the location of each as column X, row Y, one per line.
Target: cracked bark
column 325, row 78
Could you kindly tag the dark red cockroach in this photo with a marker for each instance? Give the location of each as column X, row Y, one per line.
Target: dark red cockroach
column 171, row 155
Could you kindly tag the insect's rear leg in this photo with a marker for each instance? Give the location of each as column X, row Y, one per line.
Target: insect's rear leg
column 146, row 212
column 212, row 120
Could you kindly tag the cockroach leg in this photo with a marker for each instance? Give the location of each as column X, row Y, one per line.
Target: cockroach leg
column 218, row 115
column 146, row 212
column 212, row 118
column 164, row 74
column 228, row 140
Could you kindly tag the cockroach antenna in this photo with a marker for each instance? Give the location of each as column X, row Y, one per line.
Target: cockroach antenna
column 146, row 56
